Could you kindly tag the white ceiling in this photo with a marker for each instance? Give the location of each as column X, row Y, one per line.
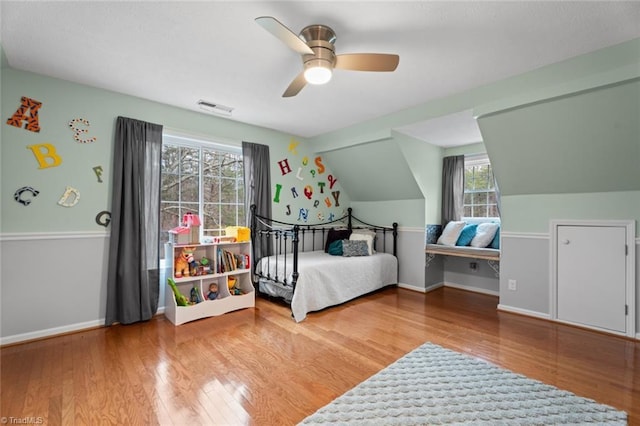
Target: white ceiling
column 178, row 52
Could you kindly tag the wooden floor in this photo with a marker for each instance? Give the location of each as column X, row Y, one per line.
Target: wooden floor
column 257, row 366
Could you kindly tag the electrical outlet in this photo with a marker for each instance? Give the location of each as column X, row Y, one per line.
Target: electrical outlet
column 513, row 285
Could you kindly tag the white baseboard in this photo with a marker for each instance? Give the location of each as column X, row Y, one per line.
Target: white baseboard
column 521, row 311
column 434, row 287
column 471, row 288
column 56, row 331
column 413, row 287
column 50, row 332
column 452, row 285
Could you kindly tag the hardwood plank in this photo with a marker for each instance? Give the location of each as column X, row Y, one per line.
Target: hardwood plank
column 259, row 367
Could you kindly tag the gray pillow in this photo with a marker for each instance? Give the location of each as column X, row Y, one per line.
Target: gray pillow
column 355, row 248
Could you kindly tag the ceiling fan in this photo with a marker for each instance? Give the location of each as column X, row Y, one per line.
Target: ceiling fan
column 315, row 44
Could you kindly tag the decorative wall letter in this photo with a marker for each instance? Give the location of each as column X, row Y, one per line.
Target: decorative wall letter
column 288, row 209
column 98, row 171
column 336, row 195
column 27, row 105
column 321, row 185
column 25, row 201
column 70, row 197
column 298, row 174
column 43, row 152
column 332, row 181
column 293, row 144
column 294, row 192
column 316, row 203
column 308, row 191
column 284, row 166
column 303, row 214
column 103, row 218
column 327, row 201
column 276, row 199
column 319, row 164
column 77, row 132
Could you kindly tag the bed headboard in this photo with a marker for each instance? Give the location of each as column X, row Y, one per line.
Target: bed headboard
column 271, row 236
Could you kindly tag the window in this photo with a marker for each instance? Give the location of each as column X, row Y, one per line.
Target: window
column 202, row 178
column 479, row 187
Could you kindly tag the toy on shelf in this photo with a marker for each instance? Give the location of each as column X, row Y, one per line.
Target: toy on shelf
column 183, row 262
column 181, row 299
column 195, row 295
column 205, row 265
column 188, row 232
column 213, row 291
column 233, row 289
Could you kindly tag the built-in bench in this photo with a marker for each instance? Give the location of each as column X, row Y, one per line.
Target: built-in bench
column 492, row 256
column 465, row 251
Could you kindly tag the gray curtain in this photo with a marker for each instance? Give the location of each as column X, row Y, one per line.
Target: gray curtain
column 257, row 186
column 133, row 269
column 257, row 178
column 452, row 188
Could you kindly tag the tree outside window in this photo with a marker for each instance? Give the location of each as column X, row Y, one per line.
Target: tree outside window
column 203, row 180
column 479, row 188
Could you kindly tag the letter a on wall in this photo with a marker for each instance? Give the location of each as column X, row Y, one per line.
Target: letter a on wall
column 27, row 111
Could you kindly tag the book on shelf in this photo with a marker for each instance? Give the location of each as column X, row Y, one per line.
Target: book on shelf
column 228, row 261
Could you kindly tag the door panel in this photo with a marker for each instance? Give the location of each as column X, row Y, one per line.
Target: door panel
column 591, row 280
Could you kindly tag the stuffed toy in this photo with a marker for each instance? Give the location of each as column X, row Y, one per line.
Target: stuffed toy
column 181, row 300
column 183, row 261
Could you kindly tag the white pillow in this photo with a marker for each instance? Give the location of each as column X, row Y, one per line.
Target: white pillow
column 484, row 234
column 365, row 235
column 451, row 233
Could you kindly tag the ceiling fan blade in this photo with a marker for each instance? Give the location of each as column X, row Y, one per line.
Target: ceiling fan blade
column 284, row 34
column 367, row 62
column 296, row 86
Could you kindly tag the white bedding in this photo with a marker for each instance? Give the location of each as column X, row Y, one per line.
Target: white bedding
column 325, row 280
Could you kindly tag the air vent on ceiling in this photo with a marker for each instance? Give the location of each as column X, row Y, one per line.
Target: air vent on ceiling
column 215, row 108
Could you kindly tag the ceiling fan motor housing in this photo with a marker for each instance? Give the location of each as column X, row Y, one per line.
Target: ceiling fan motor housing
column 320, row 38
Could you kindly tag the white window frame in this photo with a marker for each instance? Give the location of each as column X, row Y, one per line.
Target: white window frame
column 176, row 138
column 478, row 160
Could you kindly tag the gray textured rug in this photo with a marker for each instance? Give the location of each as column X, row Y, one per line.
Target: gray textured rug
column 436, row 386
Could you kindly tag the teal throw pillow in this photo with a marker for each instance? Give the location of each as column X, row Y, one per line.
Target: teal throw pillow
column 335, row 248
column 495, row 243
column 467, row 234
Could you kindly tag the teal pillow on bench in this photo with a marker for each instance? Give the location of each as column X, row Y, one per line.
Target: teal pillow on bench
column 467, row 234
column 495, row 244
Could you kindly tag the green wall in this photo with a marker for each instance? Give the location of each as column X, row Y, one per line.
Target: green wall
column 63, row 101
column 584, row 142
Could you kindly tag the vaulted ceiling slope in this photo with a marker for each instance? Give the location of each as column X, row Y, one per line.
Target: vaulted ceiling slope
column 580, row 143
column 375, row 171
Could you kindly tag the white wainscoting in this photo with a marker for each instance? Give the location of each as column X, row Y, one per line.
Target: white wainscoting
column 526, row 258
column 411, row 258
column 52, row 283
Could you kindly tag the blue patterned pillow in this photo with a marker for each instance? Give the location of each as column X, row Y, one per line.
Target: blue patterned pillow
column 355, row 248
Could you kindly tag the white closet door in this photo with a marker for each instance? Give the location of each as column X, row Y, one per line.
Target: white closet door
column 591, row 286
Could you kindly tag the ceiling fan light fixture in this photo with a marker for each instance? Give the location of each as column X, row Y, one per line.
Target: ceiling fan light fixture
column 317, row 71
